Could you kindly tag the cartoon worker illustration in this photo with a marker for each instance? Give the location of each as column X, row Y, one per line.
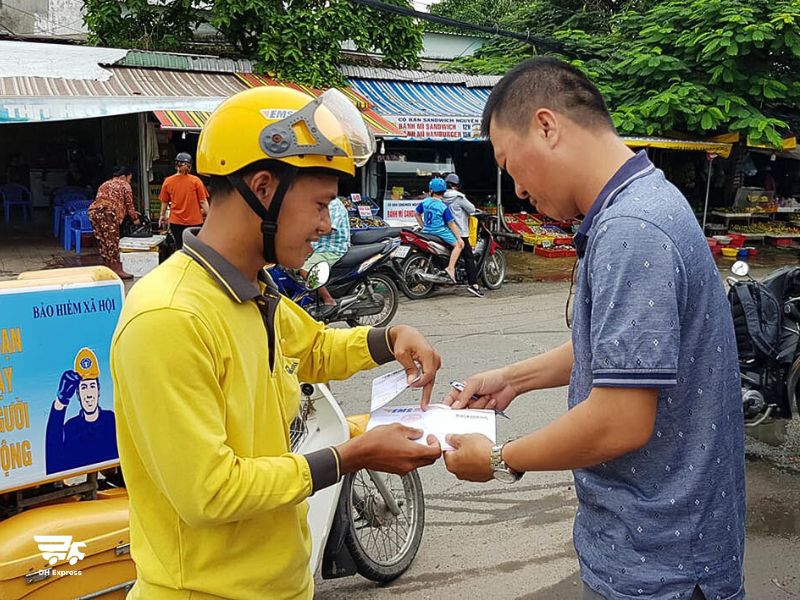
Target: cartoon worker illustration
column 88, row 437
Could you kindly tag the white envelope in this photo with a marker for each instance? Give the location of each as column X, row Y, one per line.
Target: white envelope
column 439, row 420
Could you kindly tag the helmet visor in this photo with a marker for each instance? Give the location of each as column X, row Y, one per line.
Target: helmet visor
column 342, row 124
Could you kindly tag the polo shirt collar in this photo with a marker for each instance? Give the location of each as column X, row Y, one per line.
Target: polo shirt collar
column 635, row 167
column 229, row 278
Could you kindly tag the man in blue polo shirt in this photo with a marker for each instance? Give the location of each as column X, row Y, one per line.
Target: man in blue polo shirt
column 654, row 431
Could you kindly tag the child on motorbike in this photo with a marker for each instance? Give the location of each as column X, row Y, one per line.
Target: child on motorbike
column 435, row 218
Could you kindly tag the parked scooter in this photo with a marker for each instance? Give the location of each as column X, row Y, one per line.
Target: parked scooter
column 394, row 266
column 766, row 316
column 364, row 295
column 423, row 269
column 370, row 523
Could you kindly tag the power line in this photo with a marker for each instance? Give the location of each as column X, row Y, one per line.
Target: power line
column 543, row 43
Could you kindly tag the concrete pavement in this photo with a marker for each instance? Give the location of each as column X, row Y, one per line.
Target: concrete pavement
column 498, row 541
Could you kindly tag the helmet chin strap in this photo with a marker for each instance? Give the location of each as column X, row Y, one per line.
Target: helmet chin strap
column 269, row 217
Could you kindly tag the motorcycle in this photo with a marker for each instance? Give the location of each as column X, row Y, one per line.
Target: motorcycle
column 369, row 523
column 423, row 268
column 766, row 317
column 394, row 266
column 364, row 294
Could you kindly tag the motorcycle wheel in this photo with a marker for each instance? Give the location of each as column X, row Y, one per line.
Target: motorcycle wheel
column 413, row 289
column 383, row 285
column 383, row 545
column 494, row 270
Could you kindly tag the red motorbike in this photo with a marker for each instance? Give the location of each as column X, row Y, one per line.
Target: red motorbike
column 423, row 267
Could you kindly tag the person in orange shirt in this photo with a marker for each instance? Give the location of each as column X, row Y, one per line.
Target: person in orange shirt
column 186, row 197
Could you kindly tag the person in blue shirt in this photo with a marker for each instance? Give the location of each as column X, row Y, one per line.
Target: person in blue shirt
column 654, row 429
column 87, row 438
column 330, row 248
column 435, row 218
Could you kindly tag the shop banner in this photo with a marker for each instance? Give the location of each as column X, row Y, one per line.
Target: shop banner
column 56, row 394
column 400, row 212
column 439, row 128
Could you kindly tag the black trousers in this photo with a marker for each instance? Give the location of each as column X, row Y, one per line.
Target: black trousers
column 177, row 233
column 469, row 262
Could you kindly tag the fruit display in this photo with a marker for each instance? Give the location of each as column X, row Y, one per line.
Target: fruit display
column 359, row 223
column 775, row 228
column 522, row 223
column 560, row 251
column 734, row 210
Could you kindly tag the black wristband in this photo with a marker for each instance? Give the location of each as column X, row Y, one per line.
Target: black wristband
column 379, row 345
column 324, row 466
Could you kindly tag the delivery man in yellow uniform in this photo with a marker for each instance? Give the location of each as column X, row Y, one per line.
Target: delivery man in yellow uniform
column 206, row 360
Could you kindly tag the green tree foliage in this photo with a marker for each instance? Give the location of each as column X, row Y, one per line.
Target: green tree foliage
column 297, row 40
column 698, row 66
column 169, row 25
column 477, row 12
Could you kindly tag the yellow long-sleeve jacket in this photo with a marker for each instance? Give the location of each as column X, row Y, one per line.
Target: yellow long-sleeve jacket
column 203, row 410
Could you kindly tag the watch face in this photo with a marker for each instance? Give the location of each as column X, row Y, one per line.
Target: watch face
column 504, row 476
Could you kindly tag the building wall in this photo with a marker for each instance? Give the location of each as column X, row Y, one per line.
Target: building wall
column 441, row 46
column 49, row 18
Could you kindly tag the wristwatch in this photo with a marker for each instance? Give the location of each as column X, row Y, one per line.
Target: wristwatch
column 500, row 470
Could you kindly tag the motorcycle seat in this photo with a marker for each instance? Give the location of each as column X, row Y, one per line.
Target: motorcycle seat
column 358, row 254
column 370, row 236
column 431, row 238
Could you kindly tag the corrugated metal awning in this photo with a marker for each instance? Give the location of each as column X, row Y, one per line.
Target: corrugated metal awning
column 719, row 148
column 184, row 62
column 128, row 90
column 427, row 111
column 182, row 120
column 382, row 73
column 127, row 82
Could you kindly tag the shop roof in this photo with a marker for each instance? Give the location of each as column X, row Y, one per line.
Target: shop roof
column 722, row 149
column 63, row 61
column 381, row 73
column 126, row 82
column 184, row 62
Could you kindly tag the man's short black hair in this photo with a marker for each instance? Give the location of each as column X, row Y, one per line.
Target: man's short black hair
column 545, row 82
column 121, row 172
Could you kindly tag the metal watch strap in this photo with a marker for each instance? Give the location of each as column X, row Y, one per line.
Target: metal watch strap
column 498, row 464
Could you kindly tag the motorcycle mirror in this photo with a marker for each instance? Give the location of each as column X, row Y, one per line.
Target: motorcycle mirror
column 318, row 276
column 740, row 268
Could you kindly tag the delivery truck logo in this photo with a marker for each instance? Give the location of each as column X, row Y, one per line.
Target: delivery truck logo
column 55, row 548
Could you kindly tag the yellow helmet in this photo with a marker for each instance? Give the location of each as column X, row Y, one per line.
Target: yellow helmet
column 86, row 364
column 284, row 124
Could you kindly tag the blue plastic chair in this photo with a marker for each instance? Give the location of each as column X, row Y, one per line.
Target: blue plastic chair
column 14, row 194
column 80, row 224
column 62, row 196
column 68, row 210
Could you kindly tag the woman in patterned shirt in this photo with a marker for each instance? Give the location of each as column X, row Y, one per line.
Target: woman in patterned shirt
column 113, row 202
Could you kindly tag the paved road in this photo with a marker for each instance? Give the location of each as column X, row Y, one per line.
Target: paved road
column 499, row 541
